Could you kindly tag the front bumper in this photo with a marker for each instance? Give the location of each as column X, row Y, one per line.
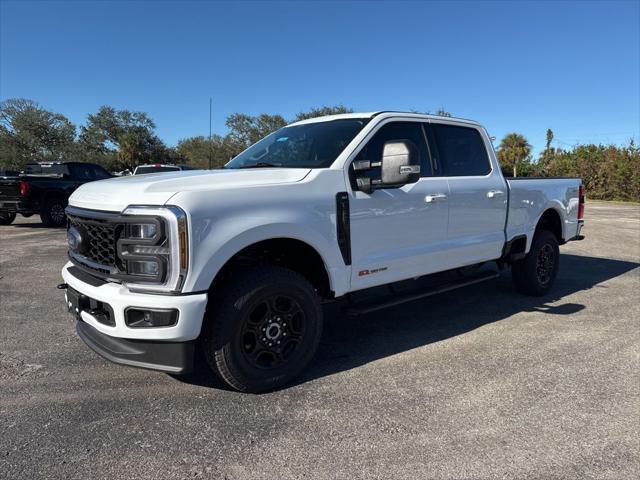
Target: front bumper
column 148, row 347
column 170, row 357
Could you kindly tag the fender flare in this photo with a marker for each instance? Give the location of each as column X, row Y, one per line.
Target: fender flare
column 218, row 257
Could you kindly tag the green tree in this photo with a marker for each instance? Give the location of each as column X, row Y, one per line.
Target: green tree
column 29, row 132
column 245, row 130
column 196, row 151
column 514, row 152
column 321, row 112
column 128, row 135
column 546, row 155
column 441, row 112
column 549, row 139
column 608, row 172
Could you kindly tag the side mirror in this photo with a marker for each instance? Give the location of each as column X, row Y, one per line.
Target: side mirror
column 400, row 163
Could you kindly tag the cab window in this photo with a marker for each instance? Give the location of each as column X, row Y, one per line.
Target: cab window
column 99, row 173
column 461, row 151
column 81, row 172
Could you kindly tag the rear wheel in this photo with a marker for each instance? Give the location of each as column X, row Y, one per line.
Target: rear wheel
column 6, row 218
column 262, row 329
column 53, row 214
column 535, row 274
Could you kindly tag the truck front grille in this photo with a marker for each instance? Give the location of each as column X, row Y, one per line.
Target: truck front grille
column 103, row 242
column 99, row 232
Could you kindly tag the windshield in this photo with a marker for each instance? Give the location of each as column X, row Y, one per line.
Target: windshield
column 311, row 145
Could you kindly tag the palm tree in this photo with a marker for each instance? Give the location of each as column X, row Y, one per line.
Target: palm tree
column 513, row 150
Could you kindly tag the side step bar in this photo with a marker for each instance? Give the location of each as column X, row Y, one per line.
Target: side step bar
column 410, row 297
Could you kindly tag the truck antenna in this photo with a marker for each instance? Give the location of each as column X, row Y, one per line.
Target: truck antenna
column 210, row 145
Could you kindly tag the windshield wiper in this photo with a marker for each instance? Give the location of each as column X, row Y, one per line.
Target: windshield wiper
column 260, row 165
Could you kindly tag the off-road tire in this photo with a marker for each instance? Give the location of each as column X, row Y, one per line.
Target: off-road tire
column 535, row 274
column 229, row 339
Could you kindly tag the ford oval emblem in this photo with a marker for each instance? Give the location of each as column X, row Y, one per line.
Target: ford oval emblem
column 75, row 240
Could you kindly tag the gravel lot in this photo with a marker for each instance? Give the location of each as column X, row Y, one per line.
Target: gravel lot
column 478, row 383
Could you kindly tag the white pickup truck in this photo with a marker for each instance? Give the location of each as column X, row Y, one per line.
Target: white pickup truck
column 239, row 261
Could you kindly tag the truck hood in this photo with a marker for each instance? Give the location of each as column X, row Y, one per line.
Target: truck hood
column 115, row 194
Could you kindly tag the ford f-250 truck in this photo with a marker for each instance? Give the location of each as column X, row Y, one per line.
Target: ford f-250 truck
column 239, row 260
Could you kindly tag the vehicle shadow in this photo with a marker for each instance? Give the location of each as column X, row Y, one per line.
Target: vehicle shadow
column 348, row 342
column 33, row 225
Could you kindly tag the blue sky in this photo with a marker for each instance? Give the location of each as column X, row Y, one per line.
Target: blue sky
column 515, row 66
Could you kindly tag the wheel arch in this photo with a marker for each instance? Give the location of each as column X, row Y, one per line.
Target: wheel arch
column 292, row 253
column 49, row 195
column 551, row 220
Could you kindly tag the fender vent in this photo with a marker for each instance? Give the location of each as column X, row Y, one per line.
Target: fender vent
column 343, row 226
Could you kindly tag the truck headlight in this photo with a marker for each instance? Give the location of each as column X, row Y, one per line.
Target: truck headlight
column 152, row 248
column 143, row 230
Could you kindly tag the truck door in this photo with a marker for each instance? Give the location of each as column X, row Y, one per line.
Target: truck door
column 400, row 232
column 477, row 193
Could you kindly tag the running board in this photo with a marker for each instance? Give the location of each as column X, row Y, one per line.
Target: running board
column 400, row 299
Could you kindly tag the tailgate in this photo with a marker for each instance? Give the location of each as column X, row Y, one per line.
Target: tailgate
column 9, row 189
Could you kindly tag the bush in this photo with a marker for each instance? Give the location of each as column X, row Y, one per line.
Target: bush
column 608, row 172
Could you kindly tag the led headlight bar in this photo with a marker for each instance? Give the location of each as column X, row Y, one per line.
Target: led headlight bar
column 155, row 249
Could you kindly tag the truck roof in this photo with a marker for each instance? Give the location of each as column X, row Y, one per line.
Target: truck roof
column 385, row 113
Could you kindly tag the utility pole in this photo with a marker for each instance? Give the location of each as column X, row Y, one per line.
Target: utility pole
column 210, row 144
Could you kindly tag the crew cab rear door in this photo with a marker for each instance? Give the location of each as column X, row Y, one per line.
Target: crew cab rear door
column 477, row 192
column 398, row 232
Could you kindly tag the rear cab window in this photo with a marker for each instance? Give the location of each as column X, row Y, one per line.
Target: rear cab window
column 99, row 173
column 82, row 172
column 46, row 169
column 461, row 152
column 156, row 169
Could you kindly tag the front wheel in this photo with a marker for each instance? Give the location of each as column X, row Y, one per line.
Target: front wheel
column 6, row 218
column 262, row 329
column 534, row 275
column 53, row 213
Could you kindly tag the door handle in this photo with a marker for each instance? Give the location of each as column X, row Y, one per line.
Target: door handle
column 434, row 197
column 494, row 193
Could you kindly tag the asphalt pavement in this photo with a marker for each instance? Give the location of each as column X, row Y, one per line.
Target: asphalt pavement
column 476, row 383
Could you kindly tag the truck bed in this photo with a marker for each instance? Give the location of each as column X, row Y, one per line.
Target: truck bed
column 530, row 197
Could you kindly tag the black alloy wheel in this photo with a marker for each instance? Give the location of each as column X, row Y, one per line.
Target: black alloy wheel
column 272, row 331
column 262, row 328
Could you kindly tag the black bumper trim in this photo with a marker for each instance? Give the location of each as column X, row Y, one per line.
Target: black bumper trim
column 18, row 206
column 170, row 357
column 86, row 277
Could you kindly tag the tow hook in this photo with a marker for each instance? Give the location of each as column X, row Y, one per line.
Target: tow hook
column 62, row 286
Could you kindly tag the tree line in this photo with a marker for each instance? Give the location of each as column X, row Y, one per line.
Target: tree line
column 608, row 172
column 122, row 139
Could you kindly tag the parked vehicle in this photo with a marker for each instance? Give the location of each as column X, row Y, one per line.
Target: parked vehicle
column 240, row 260
column 44, row 188
column 6, row 217
column 160, row 168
